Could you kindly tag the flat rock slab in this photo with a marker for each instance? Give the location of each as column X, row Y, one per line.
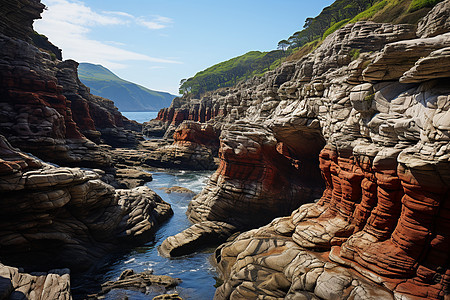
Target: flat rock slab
column 139, row 282
column 168, row 297
column 177, row 189
column 197, row 236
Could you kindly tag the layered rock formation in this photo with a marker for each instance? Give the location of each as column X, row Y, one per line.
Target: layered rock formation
column 44, row 108
column 97, row 117
column 15, row 284
column 181, row 109
column 144, row 282
column 51, row 216
column 67, row 217
column 195, row 147
column 376, row 127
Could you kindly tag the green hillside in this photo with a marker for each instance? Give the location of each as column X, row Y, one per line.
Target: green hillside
column 229, row 72
column 343, row 12
column 127, row 96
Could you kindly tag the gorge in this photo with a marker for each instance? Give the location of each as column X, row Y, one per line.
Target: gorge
column 332, row 178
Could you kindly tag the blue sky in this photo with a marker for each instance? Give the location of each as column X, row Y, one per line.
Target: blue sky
column 156, row 43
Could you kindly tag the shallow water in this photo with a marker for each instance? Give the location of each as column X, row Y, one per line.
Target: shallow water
column 195, row 270
column 140, row 116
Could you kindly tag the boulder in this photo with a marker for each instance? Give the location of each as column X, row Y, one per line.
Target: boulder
column 53, row 217
column 16, row 284
column 143, row 282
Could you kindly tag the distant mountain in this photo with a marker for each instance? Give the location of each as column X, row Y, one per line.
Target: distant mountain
column 126, row 95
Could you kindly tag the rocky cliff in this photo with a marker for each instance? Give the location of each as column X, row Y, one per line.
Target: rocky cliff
column 44, row 107
column 52, row 216
column 361, row 125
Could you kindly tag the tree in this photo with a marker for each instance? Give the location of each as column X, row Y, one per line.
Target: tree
column 283, row 45
column 308, row 22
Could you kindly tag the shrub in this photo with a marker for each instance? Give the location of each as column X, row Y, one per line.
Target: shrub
column 354, row 54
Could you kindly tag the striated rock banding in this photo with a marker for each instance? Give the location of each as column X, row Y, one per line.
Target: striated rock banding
column 378, row 128
column 15, row 284
column 45, row 109
column 194, row 148
column 67, row 217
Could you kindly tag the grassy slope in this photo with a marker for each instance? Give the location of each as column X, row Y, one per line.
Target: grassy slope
column 126, row 95
column 228, row 73
column 384, row 11
column 396, row 11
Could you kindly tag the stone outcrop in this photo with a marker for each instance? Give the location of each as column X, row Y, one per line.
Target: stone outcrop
column 15, row 284
column 132, row 177
column 436, row 22
column 181, row 109
column 143, row 282
column 206, row 233
column 67, row 217
column 388, row 66
column 34, row 115
column 17, row 17
column 435, row 65
column 45, row 109
column 375, row 128
column 51, row 216
column 97, row 117
column 195, row 147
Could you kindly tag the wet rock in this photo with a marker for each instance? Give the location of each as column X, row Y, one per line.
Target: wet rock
column 53, row 217
column 132, row 177
column 178, row 189
column 142, row 282
column 168, row 297
column 199, row 235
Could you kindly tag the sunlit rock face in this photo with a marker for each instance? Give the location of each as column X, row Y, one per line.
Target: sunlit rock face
column 195, row 147
column 181, row 109
column 371, row 133
column 16, row 284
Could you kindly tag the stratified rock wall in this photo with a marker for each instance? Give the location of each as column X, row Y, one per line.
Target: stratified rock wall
column 54, row 216
column 97, row 117
column 45, row 109
column 67, row 217
column 17, row 16
column 194, row 148
column 375, row 127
